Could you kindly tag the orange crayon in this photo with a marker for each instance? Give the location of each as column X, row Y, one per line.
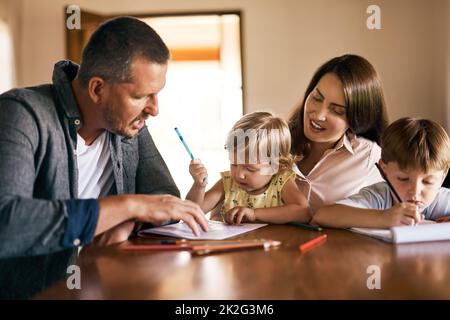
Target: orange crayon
column 312, row 243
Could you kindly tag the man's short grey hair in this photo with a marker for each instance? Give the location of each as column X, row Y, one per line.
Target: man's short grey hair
column 114, row 46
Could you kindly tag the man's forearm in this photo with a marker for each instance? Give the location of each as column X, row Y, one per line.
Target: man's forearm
column 154, row 209
column 114, row 210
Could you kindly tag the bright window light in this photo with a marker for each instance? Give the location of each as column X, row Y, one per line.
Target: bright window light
column 203, row 98
column 6, row 58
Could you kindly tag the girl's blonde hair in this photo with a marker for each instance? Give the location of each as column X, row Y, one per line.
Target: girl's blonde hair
column 261, row 132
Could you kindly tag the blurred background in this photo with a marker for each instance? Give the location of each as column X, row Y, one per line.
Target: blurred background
column 231, row 57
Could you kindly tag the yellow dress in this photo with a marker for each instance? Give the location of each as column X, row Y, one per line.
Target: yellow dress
column 271, row 197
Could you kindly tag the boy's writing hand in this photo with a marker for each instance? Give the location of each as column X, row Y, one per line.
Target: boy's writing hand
column 198, row 173
column 403, row 214
column 237, row 215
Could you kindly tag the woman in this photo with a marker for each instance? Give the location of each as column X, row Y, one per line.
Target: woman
column 336, row 128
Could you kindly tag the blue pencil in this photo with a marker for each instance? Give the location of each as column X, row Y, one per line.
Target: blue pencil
column 187, row 149
column 184, row 143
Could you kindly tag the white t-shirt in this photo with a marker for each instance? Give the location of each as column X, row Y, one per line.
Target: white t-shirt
column 95, row 175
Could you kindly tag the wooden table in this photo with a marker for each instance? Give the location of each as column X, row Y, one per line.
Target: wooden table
column 336, row 269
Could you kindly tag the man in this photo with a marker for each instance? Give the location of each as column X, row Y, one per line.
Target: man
column 76, row 159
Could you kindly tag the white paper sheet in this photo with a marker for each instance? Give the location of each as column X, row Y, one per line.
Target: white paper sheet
column 421, row 233
column 217, row 230
column 425, row 231
column 381, row 234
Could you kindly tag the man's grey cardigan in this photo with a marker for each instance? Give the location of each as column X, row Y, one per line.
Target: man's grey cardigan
column 39, row 215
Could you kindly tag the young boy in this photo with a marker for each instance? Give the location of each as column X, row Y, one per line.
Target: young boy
column 415, row 158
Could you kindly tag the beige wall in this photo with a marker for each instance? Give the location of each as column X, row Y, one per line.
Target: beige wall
column 446, row 53
column 286, row 40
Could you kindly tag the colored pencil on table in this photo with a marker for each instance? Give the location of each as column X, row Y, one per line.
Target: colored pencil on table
column 204, row 250
column 186, row 241
column 304, row 225
column 312, row 243
column 155, row 247
column 197, row 245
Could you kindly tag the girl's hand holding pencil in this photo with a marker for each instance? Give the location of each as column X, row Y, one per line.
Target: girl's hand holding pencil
column 198, row 173
column 204, row 181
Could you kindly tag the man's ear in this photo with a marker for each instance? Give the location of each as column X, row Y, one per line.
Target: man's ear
column 382, row 165
column 97, row 89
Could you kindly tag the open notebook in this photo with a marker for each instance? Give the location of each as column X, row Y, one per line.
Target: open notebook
column 425, row 231
column 217, row 230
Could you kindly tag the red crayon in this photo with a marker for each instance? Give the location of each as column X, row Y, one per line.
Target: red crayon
column 312, row 243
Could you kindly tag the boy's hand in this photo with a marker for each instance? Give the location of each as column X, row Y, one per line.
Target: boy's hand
column 443, row 219
column 403, row 214
column 237, row 215
column 198, row 173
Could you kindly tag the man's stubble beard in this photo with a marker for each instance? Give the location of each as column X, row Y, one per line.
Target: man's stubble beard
column 114, row 124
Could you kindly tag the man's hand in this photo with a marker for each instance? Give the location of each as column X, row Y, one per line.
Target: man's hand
column 157, row 209
column 237, row 215
column 402, row 214
column 198, row 173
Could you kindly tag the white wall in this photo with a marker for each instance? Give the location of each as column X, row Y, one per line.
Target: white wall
column 286, row 40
